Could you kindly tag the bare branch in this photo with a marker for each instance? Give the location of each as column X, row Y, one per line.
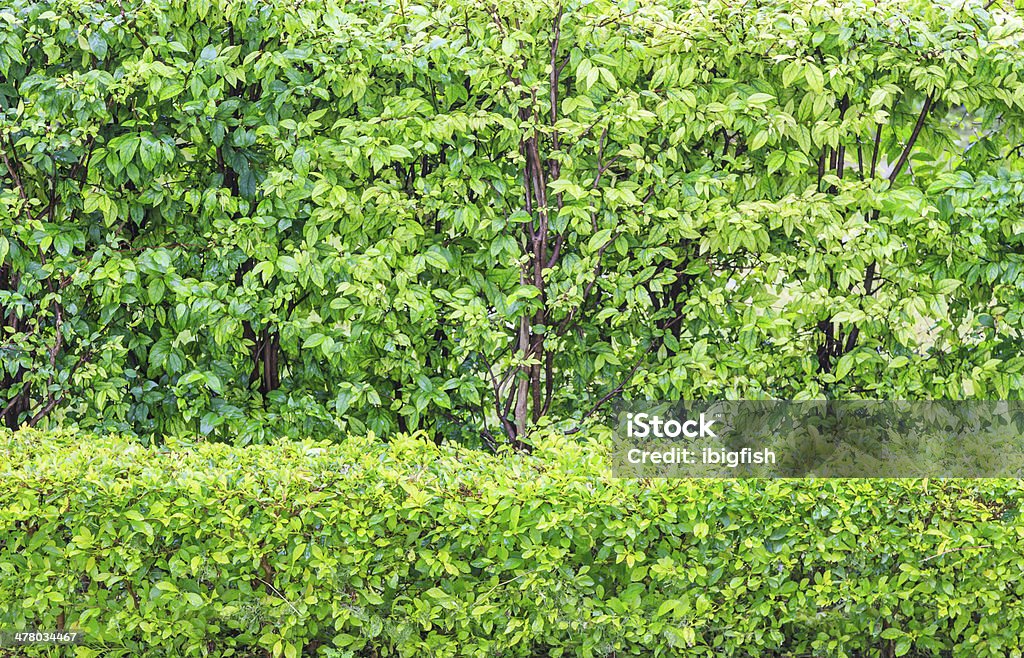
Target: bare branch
column 905, row 155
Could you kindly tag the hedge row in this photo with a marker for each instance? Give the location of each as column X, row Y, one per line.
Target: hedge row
column 409, row 549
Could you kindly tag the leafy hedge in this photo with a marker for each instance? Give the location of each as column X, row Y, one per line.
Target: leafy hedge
column 365, row 549
column 253, row 218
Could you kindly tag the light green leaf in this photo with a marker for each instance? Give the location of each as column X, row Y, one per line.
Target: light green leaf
column 815, row 79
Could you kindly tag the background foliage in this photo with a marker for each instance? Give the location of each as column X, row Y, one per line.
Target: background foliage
column 370, row 549
column 258, row 218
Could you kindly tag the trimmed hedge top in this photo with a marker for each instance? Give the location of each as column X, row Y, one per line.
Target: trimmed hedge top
column 412, row 549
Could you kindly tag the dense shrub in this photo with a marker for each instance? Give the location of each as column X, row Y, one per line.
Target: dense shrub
column 252, row 218
column 365, row 549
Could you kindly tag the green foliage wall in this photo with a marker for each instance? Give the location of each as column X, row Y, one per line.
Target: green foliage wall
column 250, row 218
column 416, row 550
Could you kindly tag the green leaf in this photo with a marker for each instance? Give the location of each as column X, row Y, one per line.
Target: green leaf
column 63, row 243
column 815, row 79
column 599, row 239
column 437, row 259
column 98, row 45
column 300, row 160
column 213, row 381
column 666, row 607
column 162, row 259
column 791, row 73
column 609, row 79
column 313, row 340
column 758, row 140
column 399, row 152
column 844, row 366
column 266, row 269
column 287, row 264
column 156, row 290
